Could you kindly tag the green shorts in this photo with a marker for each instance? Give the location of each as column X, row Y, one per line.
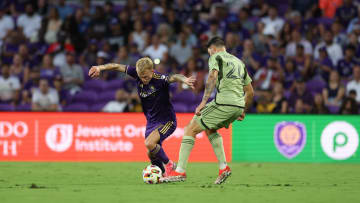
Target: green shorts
column 215, row 116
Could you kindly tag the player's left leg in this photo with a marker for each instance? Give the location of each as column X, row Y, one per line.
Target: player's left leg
column 155, row 150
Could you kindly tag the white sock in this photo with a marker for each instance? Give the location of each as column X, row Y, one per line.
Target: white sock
column 222, row 165
column 180, row 170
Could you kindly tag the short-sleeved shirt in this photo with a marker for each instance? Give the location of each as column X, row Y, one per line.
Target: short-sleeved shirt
column 45, row 100
column 155, row 98
column 232, row 78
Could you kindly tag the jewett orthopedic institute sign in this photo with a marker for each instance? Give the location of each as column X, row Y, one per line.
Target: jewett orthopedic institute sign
column 290, row 138
column 90, row 137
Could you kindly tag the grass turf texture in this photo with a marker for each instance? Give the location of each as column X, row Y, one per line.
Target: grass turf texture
column 121, row 182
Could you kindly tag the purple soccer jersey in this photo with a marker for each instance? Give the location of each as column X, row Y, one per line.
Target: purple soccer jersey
column 155, row 101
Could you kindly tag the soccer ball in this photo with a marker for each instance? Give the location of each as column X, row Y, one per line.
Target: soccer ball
column 151, row 174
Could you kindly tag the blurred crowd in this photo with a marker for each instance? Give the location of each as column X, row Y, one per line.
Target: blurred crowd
column 303, row 56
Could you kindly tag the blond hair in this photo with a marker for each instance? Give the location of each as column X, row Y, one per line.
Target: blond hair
column 143, row 64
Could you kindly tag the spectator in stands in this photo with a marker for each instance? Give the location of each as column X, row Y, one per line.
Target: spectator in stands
column 165, row 34
column 48, row 70
column 120, row 104
column 251, row 59
column 259, row 39
column 273, row 23
column 30, row 22
column 204, row 9
column 278, row 98
column 345, row 65
column 319, row 105
column 72, row 74
column 62, row 93
column 50, row 27
column 156, row 50
column 300, row 100
column 346, row 12
column 322, row 67
column 329, row 7
column 19, row 70
column 333, row 49
column 98, row 27
column 181, row 51
column 295, row 40
column 173, row 21
column 33, row 82
column 6, row 24
column 352, row 94
column 267, row 75
column 214, row 29
column 244, row 20
column 291, row 74
column 303, row 61
column 45, row 98
column 192, row 70
column 264, row 103
column 355, row 83
column 9, row 86
column 334, row 92
column 354, row 23
column 339, row 36
column 139, row 36
column 64, row 10
column 349, row 106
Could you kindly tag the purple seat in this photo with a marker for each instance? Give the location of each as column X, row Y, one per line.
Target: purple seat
column 198, row 98
column 7, row 107
column 24, row 107
column 94, row 85
column 107, row 96
column 192, row 108
column 97, row 107
column 76, row 107
column 180, row 107
column 333, row 109
column 115, row 84
column 315, row 86
column 89, row 97
column 185, row 96
column 325, row 21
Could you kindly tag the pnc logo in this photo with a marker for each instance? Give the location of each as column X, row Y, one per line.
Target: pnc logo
column 19, row 129
column 339, row 140
column 59, row 137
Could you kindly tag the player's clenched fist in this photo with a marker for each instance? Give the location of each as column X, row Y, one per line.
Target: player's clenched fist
column 94, row 71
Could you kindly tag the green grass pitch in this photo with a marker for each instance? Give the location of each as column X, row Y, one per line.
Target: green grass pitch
column 121, row 182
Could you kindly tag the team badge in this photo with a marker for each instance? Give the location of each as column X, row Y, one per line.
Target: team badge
column 290, row 138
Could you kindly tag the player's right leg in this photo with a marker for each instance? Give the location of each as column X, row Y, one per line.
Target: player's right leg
column 187, row 144
column 218, row 147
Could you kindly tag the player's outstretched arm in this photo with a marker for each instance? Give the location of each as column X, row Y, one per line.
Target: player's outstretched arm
column 249, row 95
column 209, row 88
column 95, row 70
column 181, row 78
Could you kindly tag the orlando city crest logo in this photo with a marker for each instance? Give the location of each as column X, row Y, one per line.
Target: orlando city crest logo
column 290, row 138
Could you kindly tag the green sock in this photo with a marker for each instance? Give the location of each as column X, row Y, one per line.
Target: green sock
column 187, row 144
column 217, row 144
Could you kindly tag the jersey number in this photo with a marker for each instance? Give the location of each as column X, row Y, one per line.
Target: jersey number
column 233, row 74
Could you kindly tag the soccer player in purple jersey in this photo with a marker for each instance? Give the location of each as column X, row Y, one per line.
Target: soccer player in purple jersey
column 153, row 89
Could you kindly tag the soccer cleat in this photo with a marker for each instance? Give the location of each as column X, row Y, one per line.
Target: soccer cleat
column 173, row 177
column 223, row 175
column 169, row 167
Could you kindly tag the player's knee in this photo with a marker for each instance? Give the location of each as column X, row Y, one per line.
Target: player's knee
column 192, row 130
column 149, row 144
column 209, row 132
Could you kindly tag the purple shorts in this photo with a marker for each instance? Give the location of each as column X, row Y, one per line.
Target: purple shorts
column 165, row 129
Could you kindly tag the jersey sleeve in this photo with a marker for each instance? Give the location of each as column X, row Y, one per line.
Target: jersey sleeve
column 131, row 71
column 213, row 62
